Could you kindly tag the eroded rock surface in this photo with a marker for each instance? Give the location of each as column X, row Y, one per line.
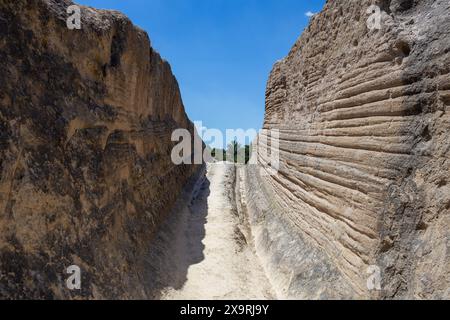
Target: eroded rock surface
column 86, row 118
column 364, row 119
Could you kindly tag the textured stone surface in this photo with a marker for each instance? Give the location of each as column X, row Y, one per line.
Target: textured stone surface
column 85, row 170
column 364, row 117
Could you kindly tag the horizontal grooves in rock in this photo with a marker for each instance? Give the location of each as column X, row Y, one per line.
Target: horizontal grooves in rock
column 340, row 148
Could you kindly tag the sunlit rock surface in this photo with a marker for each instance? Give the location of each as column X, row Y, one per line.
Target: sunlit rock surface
column 364, row 119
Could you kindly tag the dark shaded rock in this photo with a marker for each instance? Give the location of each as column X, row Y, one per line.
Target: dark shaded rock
column 86, row 177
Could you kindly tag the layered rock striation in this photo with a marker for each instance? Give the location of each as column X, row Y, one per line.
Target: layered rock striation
column 364, row 120
column 86, row 177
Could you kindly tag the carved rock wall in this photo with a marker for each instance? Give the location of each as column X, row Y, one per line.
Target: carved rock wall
column 364, row 120
column 86, row 177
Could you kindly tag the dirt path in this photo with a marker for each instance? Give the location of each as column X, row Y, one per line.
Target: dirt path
column 206, row 257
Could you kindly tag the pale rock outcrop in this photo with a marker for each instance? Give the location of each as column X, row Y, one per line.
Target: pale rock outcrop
column 364, row 179
column 86, row 177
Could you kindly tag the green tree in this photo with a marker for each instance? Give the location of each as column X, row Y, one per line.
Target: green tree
column 233, row 151
column 248, row 153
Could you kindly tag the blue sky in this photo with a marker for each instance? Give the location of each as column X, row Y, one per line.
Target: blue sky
column 221, row 51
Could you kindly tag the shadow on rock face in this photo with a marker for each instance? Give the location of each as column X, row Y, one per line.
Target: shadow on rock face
column 179, row 243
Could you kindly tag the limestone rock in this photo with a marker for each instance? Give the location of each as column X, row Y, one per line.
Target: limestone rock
column 364, row 120
column 86, row 177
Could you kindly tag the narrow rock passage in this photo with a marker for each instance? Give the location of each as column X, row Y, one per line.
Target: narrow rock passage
column 209, row 256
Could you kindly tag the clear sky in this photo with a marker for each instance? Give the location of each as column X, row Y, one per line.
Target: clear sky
column 221, row 51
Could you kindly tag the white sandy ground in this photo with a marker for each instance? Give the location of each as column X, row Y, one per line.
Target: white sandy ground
column 219, row 264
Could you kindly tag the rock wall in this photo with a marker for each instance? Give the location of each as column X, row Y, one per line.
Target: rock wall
column 86, row 118
column 364, row 120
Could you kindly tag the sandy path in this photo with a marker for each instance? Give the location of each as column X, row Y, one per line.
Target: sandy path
column 208, row 258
